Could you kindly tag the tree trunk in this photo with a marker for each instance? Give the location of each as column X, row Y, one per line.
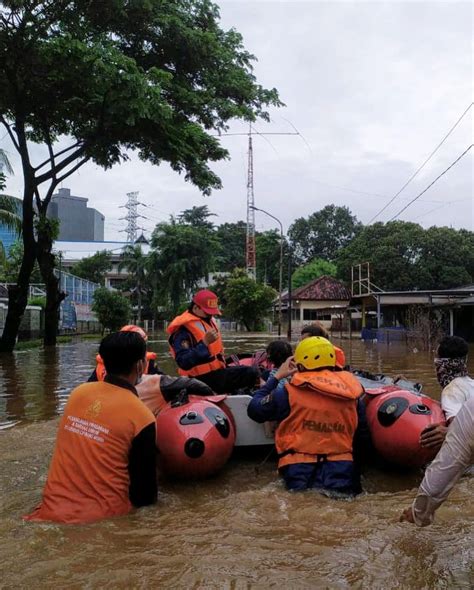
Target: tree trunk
column 18, row 293
column 139, row 303
column 54, row 295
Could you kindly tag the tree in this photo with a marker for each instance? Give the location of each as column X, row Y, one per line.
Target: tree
column 183, row 254
column 313, row 270
column 323, row 234
column 268, row 251
column 231, row 238
column 10, row 218
column 12, row 264
column 133, row 259
column 246, row 300
column 4, row 165
column 403, row 255
column 94, row 268
column 111, row 308
column 92, row 81
column 197, row 217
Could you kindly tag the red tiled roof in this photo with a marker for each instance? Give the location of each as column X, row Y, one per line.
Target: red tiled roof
column 321, row 289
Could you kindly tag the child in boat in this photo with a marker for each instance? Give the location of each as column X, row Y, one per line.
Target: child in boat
column 319, row 411
column 277, row 353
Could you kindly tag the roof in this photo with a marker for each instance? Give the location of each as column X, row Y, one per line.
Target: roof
column 77, row 250
column 324, row 288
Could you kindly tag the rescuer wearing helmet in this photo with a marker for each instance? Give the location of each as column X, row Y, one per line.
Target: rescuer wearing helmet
column 151, row 368
column 317, row 329
column 318, row 413
column 196, row 345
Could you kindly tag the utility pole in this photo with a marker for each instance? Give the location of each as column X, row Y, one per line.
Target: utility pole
column 131, row 216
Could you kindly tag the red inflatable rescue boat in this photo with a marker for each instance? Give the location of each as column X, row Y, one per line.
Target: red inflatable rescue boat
column 194, row 436
column 396, row 419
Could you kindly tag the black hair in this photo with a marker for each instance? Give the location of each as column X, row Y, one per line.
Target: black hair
column 452, row 347
column 120, row 351
column 315, row 329
column 278, row 351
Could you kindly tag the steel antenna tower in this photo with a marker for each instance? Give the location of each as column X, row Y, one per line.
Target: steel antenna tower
column 250, row 250
column 131, row 216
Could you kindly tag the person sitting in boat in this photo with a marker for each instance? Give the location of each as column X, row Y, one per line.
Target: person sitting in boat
column 278, row 351
column 319, row 411
column 317, row 329
column 456, row 454
column 196, row 345
column 104, row 459
column 458, row 387
column 151, row 368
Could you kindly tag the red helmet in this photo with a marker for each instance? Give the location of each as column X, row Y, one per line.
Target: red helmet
column 207, row 301
column 137, row 329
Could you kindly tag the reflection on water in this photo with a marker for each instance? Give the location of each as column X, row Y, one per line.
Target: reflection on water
column 236, row 531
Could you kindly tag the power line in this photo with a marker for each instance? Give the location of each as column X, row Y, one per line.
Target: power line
column 424, row 163
column 435, row 180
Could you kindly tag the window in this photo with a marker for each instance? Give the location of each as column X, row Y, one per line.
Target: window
column 311, row 315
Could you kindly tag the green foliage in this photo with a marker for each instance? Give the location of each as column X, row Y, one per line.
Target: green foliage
column 94, row 268
column 10, row 267
column 323, row 234
column 268, row 248
column 231, row 238
column 111, row 308
column 136, row 263
column 403, row 255
column 313, row 270
column 246, row 300
column 38, row 301
column 4, row 165
column 183, row 254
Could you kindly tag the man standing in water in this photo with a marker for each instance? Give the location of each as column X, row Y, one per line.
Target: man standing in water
column 104, row 460
column 196, row 345
column 456, row 454
column 458, row 387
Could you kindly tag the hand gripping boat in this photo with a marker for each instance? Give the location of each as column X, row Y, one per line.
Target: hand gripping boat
column 396, row 418
column 194, row 436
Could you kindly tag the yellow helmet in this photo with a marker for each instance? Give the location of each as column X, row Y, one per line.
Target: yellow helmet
column 315, row 353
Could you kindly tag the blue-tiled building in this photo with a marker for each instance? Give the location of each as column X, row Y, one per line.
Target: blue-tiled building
column 9, row 236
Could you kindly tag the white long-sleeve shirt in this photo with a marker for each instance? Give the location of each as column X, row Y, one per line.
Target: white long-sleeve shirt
column 455, row 394
column 456, row 454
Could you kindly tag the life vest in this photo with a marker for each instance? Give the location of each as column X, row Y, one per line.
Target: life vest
column 340, row 357
column 88, row 478
column 198, row 328
column 100, row 367
column 149, row 391
column 322, row 420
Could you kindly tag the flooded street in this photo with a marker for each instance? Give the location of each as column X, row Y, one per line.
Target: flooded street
column 239, row 530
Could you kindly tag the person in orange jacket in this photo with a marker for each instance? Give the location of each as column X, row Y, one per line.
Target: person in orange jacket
column 104, row 461
column 151, row 368
column 196, row 345
column 319, row 412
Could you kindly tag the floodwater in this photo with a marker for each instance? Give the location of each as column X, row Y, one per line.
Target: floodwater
column 238, row 530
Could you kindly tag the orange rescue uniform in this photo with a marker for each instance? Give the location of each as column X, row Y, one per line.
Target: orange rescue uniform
column 322, row 419
column 198, row 328
column 88, row 477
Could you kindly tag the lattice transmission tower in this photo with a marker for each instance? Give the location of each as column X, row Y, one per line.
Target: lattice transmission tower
column 132, row 216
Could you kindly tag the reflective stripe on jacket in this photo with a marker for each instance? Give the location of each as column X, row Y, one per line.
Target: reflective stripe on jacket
column 322, row 419
column 198, row 328
column 100, row 368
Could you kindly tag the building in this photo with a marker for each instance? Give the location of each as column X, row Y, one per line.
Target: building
column 72, row 252
column 9, row 236
column 324, row 299
column 77, row 220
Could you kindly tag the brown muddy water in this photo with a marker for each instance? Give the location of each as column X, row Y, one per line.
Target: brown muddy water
column 238, row 530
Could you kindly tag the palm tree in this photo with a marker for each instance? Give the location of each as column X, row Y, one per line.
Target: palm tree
column 133, row 259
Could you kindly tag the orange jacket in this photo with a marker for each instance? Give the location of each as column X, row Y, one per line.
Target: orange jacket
column 340, row 357
column 198, row 328
column 322, row 419
column 88, row 478
column 149, row 391
column 100, row 368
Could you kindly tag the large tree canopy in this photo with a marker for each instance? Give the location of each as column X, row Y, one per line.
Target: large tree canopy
column 323, row 233
column 403, row 255
column 94, row 80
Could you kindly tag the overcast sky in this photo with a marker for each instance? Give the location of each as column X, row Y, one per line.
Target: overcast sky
column 373, row 87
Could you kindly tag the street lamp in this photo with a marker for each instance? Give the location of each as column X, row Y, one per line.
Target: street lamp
column 281, row 264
